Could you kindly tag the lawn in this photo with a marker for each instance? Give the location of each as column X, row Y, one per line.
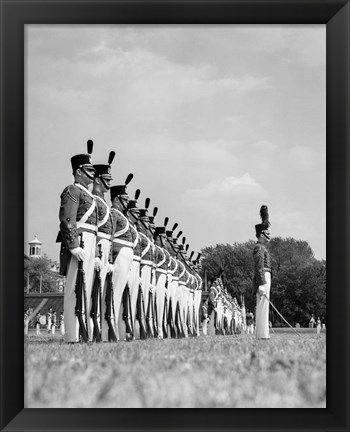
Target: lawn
column 204, row 372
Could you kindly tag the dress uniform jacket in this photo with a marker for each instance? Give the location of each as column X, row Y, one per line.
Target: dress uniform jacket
column 77, row 213
column 262, row 264
column 122, row 235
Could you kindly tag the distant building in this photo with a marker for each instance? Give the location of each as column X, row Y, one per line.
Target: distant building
column 35, row 247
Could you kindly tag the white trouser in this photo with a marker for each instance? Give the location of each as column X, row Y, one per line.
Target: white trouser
column 186, row 298
column 62, row 329
column 48, row 325
column 160, row 296
column 250, row 328
column 38, row 329
column 146, row 273
column 122, row 267
column 197, row 304
column 133, row 282
column 105, row 246
column 174, row 296
column 53, row 328
column 71, row 321
column 262, row 330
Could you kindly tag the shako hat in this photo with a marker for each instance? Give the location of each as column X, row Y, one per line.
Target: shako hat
column 120, row 190
column 160, row 230
column 105, row 170
column 151, row 218
column 144, row 211
column 132, row 204
column 83, row 160
column 262, row 228
column 169, row 233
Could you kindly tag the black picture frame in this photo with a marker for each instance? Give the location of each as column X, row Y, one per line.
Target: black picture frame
column 14, row 15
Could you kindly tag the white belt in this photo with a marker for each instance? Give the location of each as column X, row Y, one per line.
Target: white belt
column 104, row 235
column 87, row 226
column 146, row 262
column 175, row 278
column 182, row 283
column 161, row 271
column 136, row 258
column 123, row 242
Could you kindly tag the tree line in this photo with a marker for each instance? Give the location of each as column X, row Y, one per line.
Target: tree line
column 39, row 275
column 298, row 287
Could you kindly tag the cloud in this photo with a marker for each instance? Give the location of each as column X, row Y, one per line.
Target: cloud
column 304, row 43
column 306, row 158
column 265, row 146
column 227, row 188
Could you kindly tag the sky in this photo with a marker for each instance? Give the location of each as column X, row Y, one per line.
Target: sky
column 212, row 120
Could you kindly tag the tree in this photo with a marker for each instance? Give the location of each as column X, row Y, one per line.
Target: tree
column 38, row 270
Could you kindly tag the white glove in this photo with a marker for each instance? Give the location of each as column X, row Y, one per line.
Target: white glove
column 78, row 253
column 261, row 290
column 98, row 264
column 110, row 268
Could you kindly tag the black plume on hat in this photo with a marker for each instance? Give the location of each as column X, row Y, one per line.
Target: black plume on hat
column 111, row 157
column 263, row 227
column 174, row 226
column 137, row 194
column 147, row 203
column 166, row 220
column 264, row 214
column 129, row 178
column 90, row 145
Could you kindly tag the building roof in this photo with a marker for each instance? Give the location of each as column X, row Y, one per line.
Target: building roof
column 35, row 241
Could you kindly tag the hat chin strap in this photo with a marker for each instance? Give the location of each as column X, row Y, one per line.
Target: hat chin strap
column 91, row 177
column 104, row 183
column 123, row 205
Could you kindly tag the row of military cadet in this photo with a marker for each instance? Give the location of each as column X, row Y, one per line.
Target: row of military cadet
column 222, row 315
column 125, row 277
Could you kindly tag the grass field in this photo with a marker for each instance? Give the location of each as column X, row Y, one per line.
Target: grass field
column 287, row 371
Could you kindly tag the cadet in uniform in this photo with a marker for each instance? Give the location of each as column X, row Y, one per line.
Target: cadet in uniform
column 134, row 274
column 62, row 323
column 173, row 281
column 250, row 322
column 262, row 275
column 162, row 259
column 123, row 252
column 146, row 265
column 78, row 221
column 105, row 227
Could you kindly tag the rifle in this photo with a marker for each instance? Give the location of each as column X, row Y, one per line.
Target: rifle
column 96, row 301
column 165, row 319
column 171, row 320
column 140, row 314
column 80, row 290
column 127, row 313
column 189, row 326
column 150, row 316
column 112, row 337
column 178, row 322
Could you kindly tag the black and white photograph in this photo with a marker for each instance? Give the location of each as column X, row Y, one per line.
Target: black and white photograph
column 175, row 216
